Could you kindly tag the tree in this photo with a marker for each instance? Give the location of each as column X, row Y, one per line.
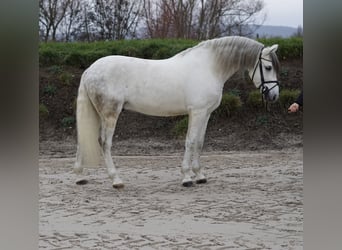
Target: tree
column 227, row 17
column 51, row 14
column 73, row 17
column 200, row 19
column 169, row 18
column 116, row 19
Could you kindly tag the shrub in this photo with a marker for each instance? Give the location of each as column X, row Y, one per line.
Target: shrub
column 181, row 127
column 254, row 99
column 50, row 89
column 68, row 121
column 129, row 51
column 289, row 48
column 287, row 97
column 55, row 69
column 83, row 54
column 43, row 110
column 49, row 56
column 230, row 103
column 66, row 78
column 262, row 120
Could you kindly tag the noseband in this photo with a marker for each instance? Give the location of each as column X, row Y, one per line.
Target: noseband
column 264, row 89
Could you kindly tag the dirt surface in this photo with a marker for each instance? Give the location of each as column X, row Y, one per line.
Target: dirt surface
column 253, row 199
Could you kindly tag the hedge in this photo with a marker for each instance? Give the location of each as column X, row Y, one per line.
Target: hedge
column 82, row 54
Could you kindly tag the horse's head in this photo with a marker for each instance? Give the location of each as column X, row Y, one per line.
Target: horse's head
column 264, row 73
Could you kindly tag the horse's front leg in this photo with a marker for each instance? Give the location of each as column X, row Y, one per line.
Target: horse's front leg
column 194, row 140
column 197, row 168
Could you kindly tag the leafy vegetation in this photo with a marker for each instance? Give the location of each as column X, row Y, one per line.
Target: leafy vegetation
column 287, row 97
column 230, row 104
column 289, row 48
column 181, row 127
column 82, row 54
column 50, row 89
column 68, row 121
column 43, row 110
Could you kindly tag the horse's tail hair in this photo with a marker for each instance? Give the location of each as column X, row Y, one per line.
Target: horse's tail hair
column 88, row 130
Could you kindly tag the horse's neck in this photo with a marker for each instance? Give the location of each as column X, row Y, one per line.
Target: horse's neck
column 227, row 68
column 210, row 62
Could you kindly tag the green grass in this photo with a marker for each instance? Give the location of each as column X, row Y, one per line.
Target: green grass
column 82, row 54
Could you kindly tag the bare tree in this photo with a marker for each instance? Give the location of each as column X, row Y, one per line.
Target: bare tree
column 201, row 19
column 116, row 19
column 169, row 18
column 227, row 17
column 51, row 14
column 157, row 18
column 119, row 19
column 73, row 17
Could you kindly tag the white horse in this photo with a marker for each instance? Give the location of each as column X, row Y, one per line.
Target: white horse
column 190, row 82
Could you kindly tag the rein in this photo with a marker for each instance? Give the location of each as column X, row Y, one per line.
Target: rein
column 264, row 89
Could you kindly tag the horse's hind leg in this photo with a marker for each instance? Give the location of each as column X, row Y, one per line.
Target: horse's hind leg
column 78, row 168
column 109, row 111
column 108, row 124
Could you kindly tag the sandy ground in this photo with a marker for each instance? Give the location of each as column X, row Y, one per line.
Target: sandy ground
column 253, row 200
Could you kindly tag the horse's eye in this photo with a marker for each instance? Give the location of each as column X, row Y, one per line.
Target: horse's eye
column 268, row 67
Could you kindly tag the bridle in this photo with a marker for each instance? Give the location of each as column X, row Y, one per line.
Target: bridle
column 264, row 89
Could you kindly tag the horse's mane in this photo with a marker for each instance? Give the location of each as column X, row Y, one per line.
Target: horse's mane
column 234, row 51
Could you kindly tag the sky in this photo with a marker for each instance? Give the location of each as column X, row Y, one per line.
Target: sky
column 284, row 12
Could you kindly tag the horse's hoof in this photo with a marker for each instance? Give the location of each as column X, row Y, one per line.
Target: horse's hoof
column 82, row 182
column 77, row 170
column 187, row 184
column 118, row 186
column 201, row 181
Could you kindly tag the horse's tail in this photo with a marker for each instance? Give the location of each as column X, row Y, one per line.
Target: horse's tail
column 88, row 130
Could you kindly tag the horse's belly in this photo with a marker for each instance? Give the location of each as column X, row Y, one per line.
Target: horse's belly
column 162, row 105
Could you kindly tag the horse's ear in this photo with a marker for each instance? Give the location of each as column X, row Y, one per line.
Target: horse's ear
column 274, row 48
column 268, row 50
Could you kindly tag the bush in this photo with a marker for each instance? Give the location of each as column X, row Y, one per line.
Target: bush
column 287, row 97
column 230, row 103
column 66, row 78
column 289, row 48
column 50, row 89
column 43, row 110
column 181, row 127
column 68, row 121
column 262, row 120
column 83, row 54
column 254, row 99
column 55, row 69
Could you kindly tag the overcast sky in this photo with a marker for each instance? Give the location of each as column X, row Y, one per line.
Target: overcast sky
column 284, row 12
